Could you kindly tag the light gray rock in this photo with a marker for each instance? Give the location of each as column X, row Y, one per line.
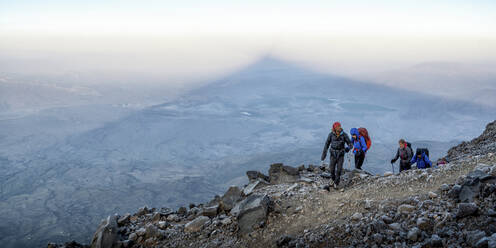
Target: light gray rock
column 356, row 216
column 133, row 236
column 406, row 209
column 229, row 199
column 106, row 233
column 413, row 234
column 123, row 219
column 196, row 224
column 248, row 190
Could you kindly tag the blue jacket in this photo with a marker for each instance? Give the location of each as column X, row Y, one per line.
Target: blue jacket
column 359, row 144
column 423, row 162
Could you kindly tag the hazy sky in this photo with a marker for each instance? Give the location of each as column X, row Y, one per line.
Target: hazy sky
column 196, row 40
column 438, row 17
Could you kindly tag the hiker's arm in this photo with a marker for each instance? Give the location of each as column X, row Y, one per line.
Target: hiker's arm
column 326, row 147
column 363, row 144
column 348, row 141
column 428, row 161
column 397, row 156
column 414, row 160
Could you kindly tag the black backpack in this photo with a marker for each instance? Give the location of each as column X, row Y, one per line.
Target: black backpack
column 422, row 150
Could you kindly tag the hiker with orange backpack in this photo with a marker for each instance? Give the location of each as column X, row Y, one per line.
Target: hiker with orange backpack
column 361, row 144
column 335, row 144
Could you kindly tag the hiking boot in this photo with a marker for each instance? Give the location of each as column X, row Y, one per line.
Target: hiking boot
column 335, row 186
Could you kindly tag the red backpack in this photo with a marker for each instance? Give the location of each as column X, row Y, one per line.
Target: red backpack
column 365, row 134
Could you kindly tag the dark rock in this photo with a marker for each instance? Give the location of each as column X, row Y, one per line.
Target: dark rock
column 454, row 192
column 424, row 224
column 284, row 240
column 210, row 211
column 182, row 211
column 151, row 231
column 229, row 199
column 106, row 233
column 470, row 189
column 472, row 237
column 156, row 216
column 279, row 173
column 251, row 211
column 301, row 167
column 466, row 209
column 254, row 175
column 436, row 241
column 142, row 211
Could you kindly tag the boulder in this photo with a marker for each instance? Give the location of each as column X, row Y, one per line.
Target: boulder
column 229, row 199
column 279, row 173
column 106, row 234
column 210, row 211
column 469, row 190
column 251, row 212
column 466, row 209
column 254, row 175
column 151, row 231
column 196, row 224
column 454, row 192
column 123, row 219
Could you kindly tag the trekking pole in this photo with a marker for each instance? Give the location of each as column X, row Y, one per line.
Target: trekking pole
column 392, row 166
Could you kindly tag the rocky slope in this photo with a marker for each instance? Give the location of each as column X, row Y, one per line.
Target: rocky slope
column 453, row 205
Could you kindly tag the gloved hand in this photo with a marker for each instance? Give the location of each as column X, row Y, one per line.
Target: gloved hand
column 392, row 161
column 347, row 149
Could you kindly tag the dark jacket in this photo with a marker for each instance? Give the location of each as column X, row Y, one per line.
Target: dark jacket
column 422, row 162
column 336, row 144
column 359, row 143
column 405, row 154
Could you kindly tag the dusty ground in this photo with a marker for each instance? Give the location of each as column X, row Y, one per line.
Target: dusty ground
column 321, row 206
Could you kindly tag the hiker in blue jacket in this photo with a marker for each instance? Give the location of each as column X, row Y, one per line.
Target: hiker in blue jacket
column 422, row 160
column 359, row 147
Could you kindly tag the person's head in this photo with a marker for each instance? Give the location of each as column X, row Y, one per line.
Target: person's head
column 354, row 133
column 336, row 127
column 402, row 143
column 419, row 154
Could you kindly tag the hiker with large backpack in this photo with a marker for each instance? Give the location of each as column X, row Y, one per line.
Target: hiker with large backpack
column 405, row 154
column 361, row 144
column 422, row 159
column 338, row 144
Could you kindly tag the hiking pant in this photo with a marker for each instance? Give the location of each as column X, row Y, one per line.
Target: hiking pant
column 405, row 165
column 359, row 158
column 336, row 161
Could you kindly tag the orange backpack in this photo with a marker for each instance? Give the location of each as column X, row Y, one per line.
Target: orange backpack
column 365, row 134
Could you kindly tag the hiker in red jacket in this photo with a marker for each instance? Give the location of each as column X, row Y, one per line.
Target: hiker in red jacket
column 335, row 144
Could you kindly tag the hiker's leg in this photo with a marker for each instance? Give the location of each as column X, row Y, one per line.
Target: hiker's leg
column 357, row 161
column 332, row 168
column 340, row 161
column 360, row 161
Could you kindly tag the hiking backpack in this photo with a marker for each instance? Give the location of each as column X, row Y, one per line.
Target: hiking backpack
column 422, row 150
column 365, row 134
